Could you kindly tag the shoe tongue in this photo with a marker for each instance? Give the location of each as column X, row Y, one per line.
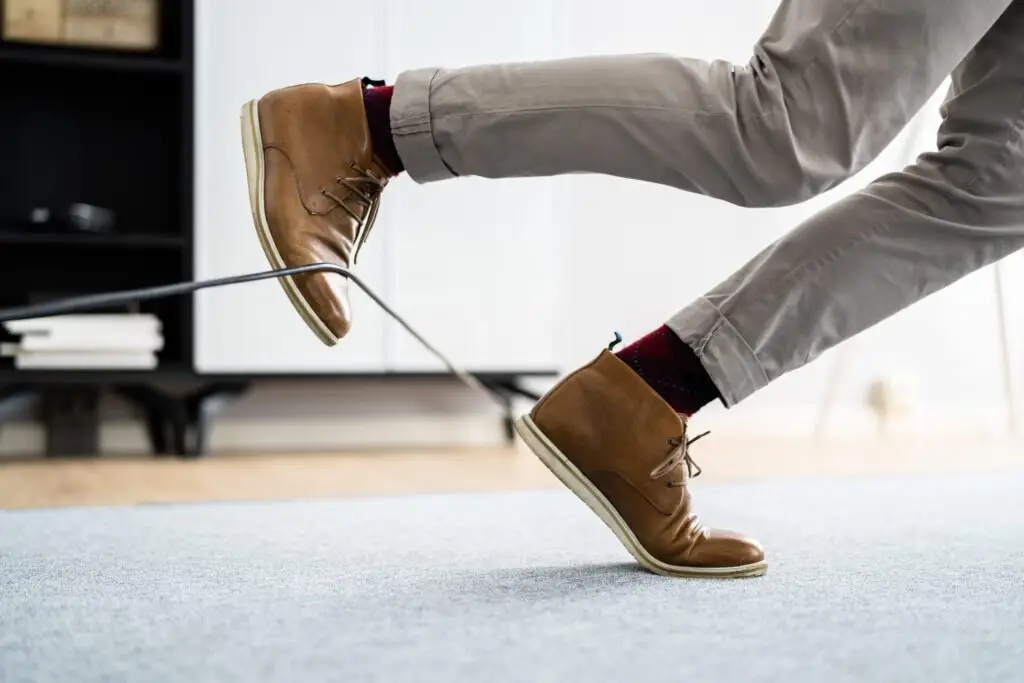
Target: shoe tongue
column 378, row 167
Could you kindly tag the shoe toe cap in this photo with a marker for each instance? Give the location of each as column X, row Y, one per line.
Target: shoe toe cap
column 723, row 548
column 328, row 297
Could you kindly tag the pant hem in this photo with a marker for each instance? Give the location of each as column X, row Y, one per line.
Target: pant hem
column 412, row 127
column 727, row 357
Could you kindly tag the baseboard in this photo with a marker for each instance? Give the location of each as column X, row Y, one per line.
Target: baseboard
column 319, row 433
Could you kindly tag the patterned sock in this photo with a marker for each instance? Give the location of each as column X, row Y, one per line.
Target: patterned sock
column 672, row 369
column 377, row 102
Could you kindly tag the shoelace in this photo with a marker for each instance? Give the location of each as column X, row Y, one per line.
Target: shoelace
column 679, row 455
column 366, row 186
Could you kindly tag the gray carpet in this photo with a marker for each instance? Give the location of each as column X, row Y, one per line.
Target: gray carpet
column 900, row 580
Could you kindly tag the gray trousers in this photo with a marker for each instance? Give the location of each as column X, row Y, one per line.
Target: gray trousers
column 830, row 85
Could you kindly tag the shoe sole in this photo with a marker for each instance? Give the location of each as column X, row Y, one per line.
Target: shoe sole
column 569, row 474
column 255, row 172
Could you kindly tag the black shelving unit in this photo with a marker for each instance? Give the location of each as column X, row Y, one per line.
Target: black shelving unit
column 111, row 128
column 79, row 59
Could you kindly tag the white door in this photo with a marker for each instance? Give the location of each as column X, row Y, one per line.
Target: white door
column 243, row 49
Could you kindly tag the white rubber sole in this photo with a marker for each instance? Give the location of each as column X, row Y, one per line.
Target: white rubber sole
column 570, row 475
column 255, row 170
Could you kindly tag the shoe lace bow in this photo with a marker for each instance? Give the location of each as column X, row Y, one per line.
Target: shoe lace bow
column 679, row 455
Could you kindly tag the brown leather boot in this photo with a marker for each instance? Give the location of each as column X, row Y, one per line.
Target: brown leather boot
column 622, row 450
column 314, row 188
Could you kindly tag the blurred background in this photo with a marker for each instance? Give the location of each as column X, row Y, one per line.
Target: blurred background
column 119, row 125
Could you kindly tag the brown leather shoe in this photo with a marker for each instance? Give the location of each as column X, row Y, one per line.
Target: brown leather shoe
column 314, row 188
column 623, row 450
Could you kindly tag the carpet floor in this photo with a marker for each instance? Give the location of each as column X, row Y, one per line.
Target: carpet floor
column 901, row 579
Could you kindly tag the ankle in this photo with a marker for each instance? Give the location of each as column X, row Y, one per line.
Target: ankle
column 671, row 368
column 377, row 102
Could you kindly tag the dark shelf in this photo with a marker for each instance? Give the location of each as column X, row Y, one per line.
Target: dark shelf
column 177, row 371
column 117, row 241
column 495, row 375
column 113, row 128
column 77, row 58
column 169, row 371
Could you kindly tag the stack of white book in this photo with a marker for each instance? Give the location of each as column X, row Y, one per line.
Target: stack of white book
column 86, row 342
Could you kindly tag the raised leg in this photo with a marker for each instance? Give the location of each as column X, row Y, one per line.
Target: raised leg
column 830, row 84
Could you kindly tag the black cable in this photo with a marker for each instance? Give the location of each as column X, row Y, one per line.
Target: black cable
column 93, row 301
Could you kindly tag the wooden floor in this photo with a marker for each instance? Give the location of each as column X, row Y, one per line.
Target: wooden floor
column 130, row 481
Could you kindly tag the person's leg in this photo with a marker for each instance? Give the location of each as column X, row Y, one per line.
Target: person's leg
column 615, row 441
column 872, row 254
column 830, row 84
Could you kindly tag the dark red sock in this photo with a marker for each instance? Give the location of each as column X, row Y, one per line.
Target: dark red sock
column 377, row 102
column 671, row 368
